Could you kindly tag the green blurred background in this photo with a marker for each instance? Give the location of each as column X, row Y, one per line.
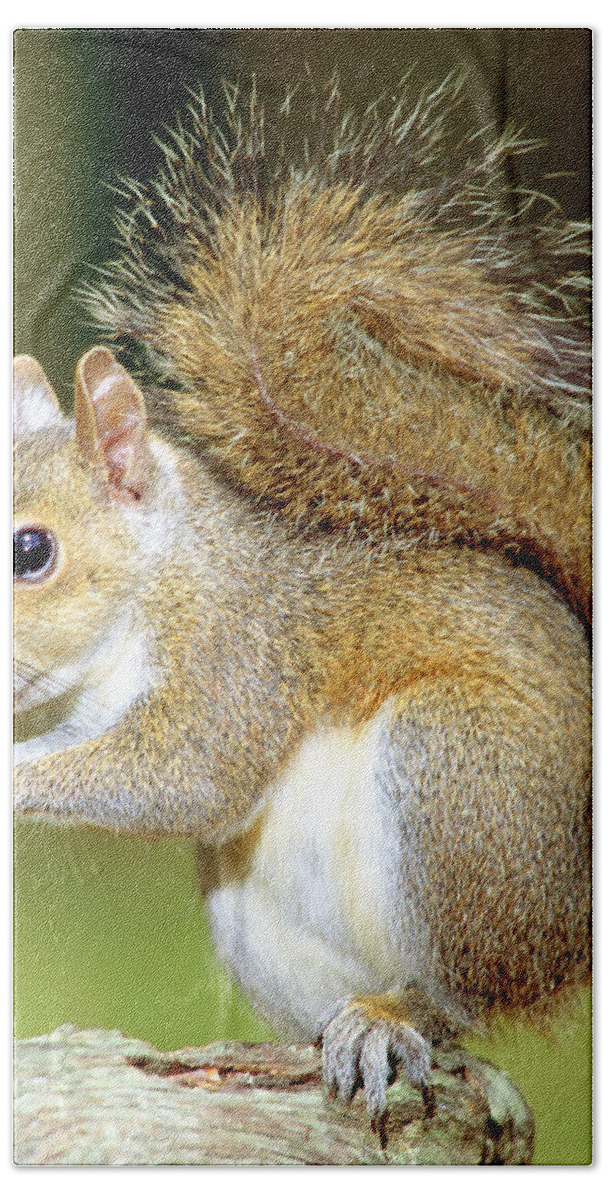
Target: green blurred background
column 111, row 931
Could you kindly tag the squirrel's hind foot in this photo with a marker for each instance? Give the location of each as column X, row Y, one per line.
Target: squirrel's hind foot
column 369, row 1038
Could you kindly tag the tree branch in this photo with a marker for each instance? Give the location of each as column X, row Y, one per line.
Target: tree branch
column 96, row 1097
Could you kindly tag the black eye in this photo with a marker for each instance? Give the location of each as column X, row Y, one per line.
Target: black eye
column 34, row 553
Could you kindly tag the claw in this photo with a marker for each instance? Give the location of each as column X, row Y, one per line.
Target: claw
column 375, row 1068
column 363, row 1050
column 341, row 1052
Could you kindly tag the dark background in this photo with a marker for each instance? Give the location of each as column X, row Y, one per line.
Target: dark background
column 110, row 931
column 89, row 102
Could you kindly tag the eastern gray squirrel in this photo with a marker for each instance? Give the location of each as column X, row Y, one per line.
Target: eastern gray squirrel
column 329, row 616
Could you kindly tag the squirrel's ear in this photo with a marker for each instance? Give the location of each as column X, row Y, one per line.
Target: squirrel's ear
column 35, row 405
column 111, row 422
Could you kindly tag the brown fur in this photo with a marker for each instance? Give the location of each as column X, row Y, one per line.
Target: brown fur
column 410, row 367
column 384, row 405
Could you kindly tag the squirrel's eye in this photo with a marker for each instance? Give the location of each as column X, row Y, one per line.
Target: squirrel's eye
column 34, row 552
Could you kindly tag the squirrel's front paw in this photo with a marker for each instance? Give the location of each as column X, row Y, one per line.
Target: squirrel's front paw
column 363, row 1045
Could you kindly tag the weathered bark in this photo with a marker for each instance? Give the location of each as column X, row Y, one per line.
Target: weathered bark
column 96, row 1097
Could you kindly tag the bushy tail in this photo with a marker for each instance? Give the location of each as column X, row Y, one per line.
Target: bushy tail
column 366, row 337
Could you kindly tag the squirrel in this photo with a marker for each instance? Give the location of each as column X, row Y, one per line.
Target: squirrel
column 310, row 581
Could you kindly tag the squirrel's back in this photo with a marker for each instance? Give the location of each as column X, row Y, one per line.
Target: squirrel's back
column 364, row 337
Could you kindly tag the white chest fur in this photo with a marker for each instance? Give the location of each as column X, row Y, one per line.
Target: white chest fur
column 316, row 910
